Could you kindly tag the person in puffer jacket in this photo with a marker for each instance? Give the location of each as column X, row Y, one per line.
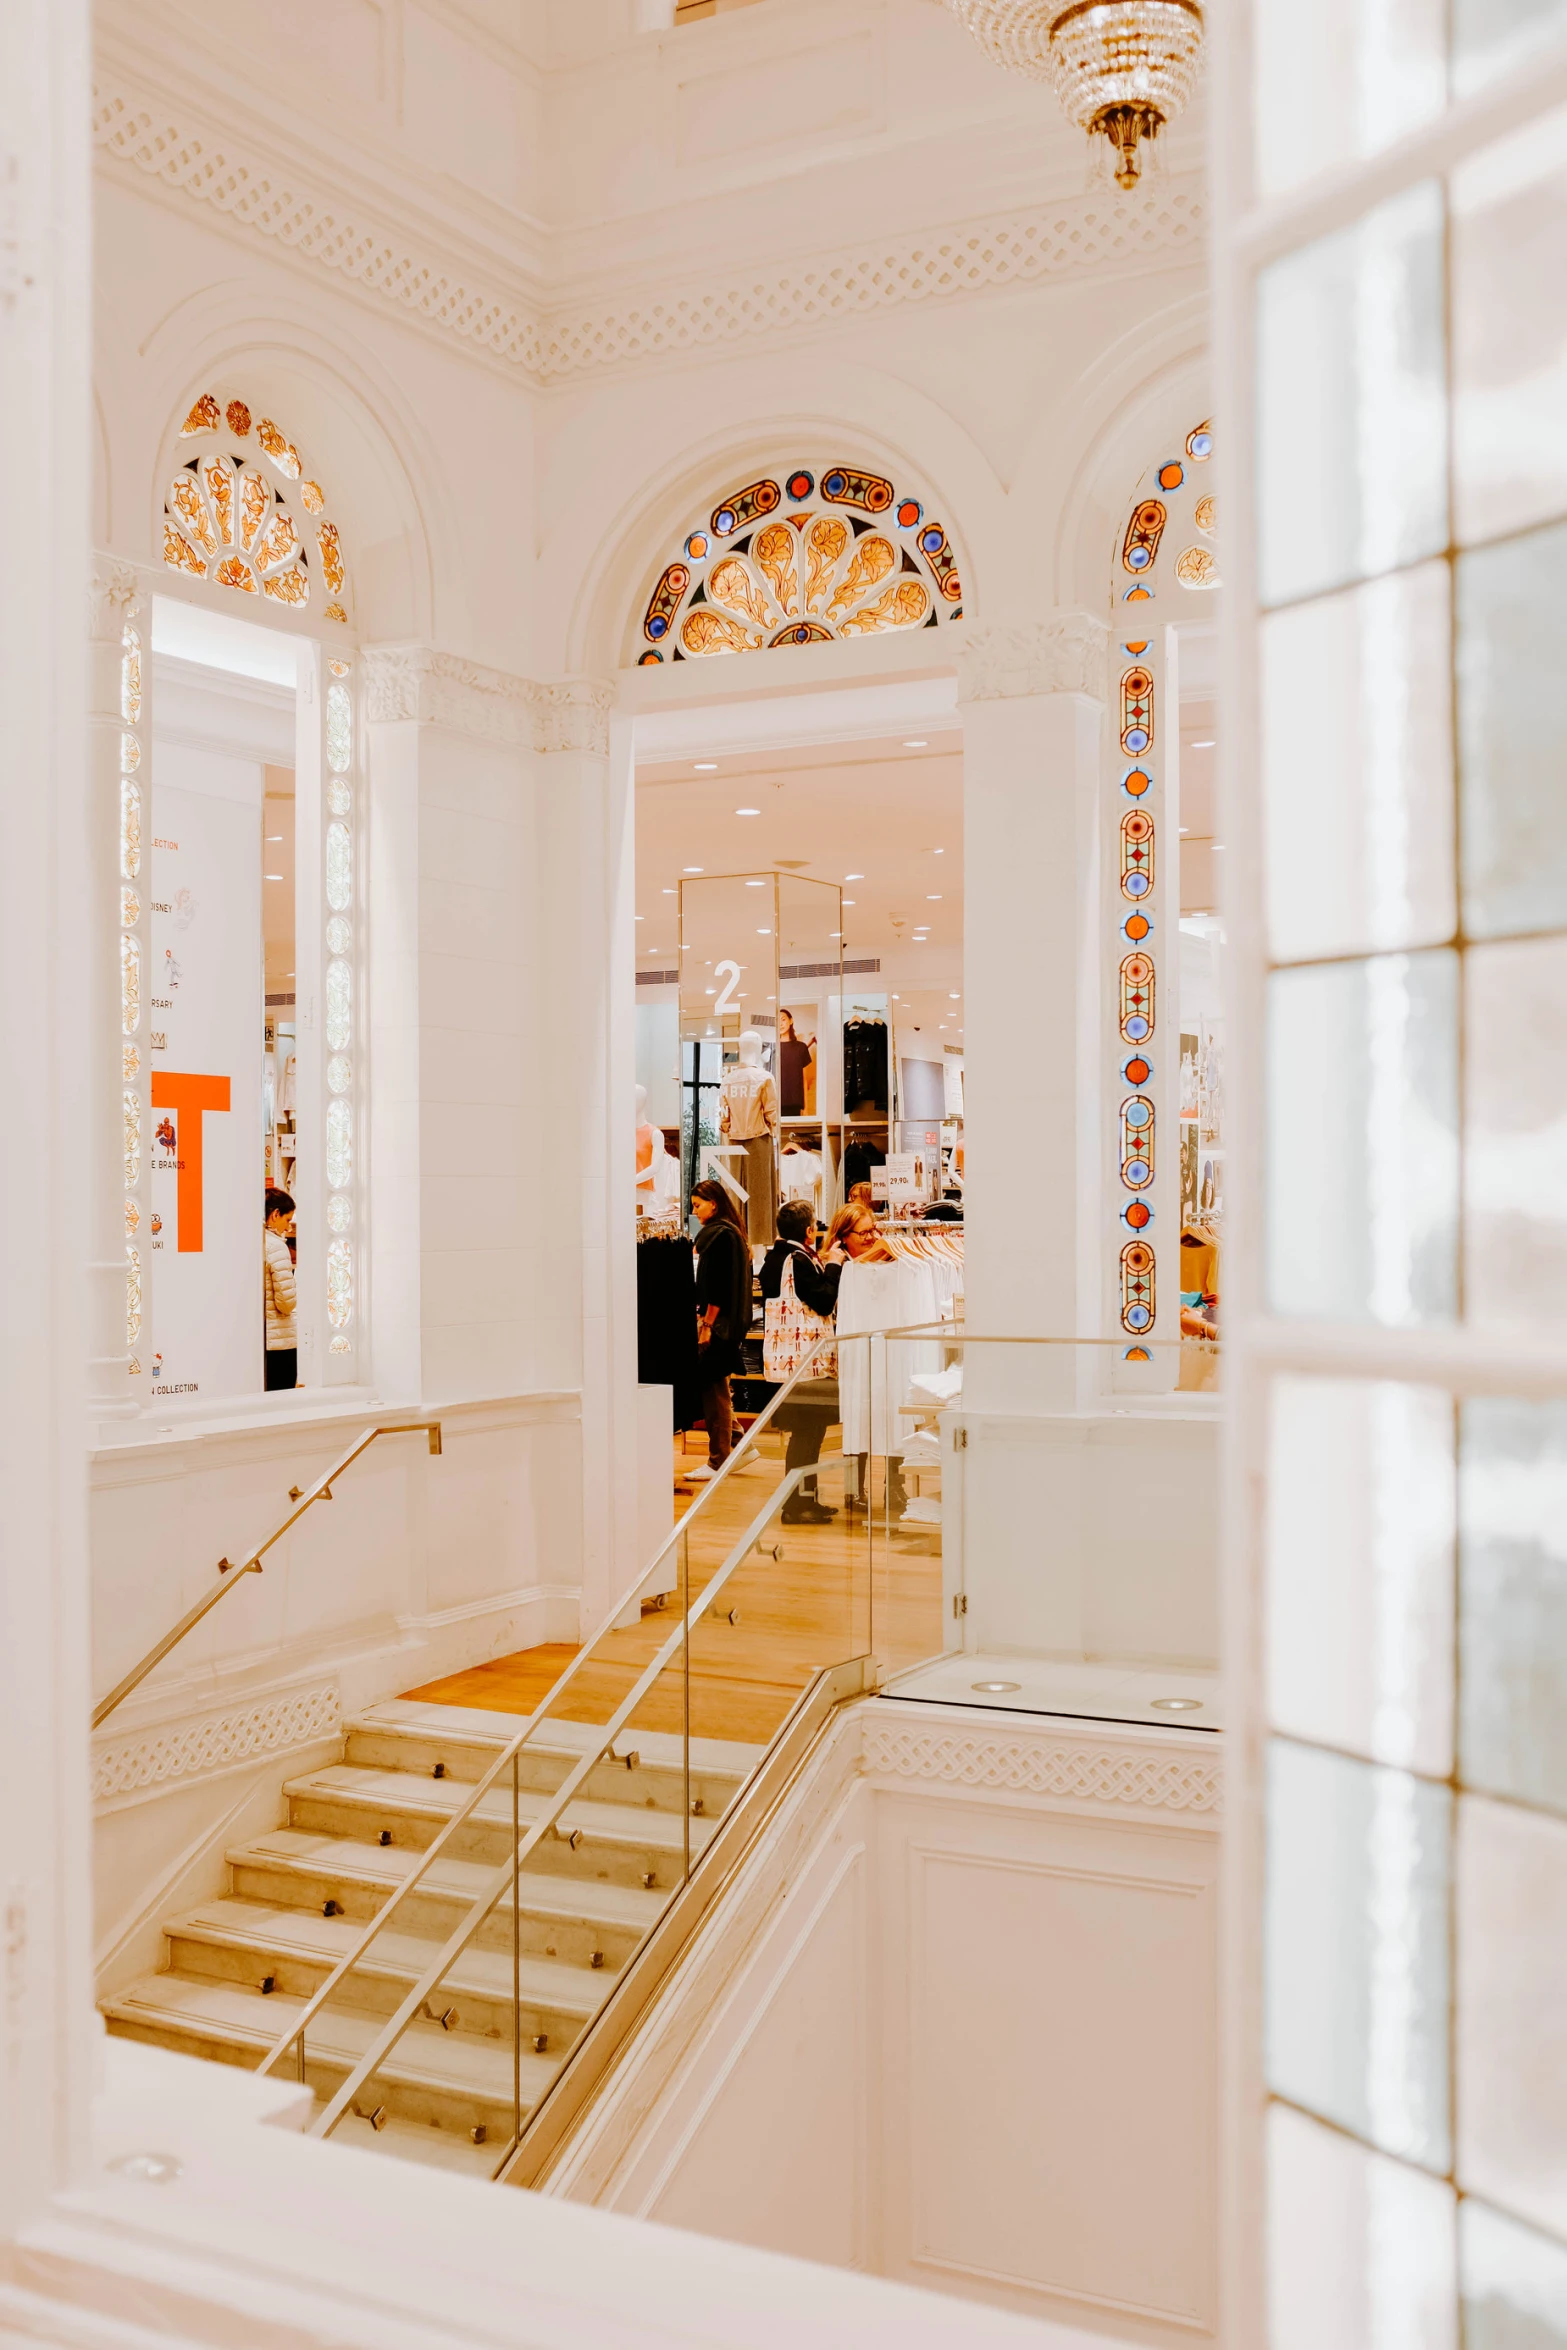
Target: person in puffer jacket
column 278, row 1291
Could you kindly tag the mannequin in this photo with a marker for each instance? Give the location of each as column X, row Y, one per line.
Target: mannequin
column 658, row 1175
column 748, row 1114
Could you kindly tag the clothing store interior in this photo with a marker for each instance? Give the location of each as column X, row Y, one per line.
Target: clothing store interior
column 800, row 1060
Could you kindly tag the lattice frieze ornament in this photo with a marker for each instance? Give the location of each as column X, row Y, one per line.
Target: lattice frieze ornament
column 1121, row 69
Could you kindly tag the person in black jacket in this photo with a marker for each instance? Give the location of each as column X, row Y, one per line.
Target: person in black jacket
column 813, row 1406
column 723, row 1313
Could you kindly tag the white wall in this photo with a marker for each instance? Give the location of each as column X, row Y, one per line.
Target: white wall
column 957, row 2023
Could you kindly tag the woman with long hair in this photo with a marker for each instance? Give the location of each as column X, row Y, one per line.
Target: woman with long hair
column 723, row 1313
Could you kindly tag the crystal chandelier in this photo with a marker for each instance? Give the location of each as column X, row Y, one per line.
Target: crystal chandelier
column 1120, row 68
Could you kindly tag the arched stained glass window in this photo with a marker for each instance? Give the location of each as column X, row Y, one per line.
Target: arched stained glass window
column 1164, row 557
column 242, row 510
column 802, row 556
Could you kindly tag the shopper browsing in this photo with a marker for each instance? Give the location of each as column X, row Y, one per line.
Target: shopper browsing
column 278, row 1289
column 723, row 1313
column 812, row 1404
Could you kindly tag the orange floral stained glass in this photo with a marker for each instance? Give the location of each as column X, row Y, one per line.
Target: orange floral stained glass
column 290, row 587
column 313, row 495
column 235, row 573
column 179, row 554
column 238, row 416
column 204, row 417
column 255, row 503
column 219, row 477
column 282, row 452
column 191, row 507
column 331, row 557
column 281, row 540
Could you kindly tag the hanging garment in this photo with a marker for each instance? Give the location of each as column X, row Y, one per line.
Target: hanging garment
column 749, row 1104
column 800, row 1177
column 858, row 1160
column 761, row 1184
column 666, row 1321
column 793, row 1055
column 865, row 1067
column 874, row 1379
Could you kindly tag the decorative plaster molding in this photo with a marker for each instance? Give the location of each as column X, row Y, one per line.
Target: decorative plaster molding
column 416, row 682
column 1085, row 1771
column 1069, row 238
column 215, row 1742
column 1065, row 654
column 114, row 596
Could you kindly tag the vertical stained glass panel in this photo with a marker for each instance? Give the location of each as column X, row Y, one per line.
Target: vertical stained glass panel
column 130, row 983
column 339, row 728
column 339, row 1145
column 130, row 828
column 340, row 1284
column 1352, row 429
column 339, row 1005
column 132, row 1124
column 339, row 867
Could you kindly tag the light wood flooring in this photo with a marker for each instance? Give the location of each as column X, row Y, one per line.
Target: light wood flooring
column 830, row 1593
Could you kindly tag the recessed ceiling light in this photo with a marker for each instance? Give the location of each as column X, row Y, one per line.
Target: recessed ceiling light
column 955, row 997
column 710, row 991
column 1204, row 746
column 995, row 1688
column 854, row 877
column 690, row 868
column 933, row 897
column 1185, row 829
column 756, row 885
column 706, row 766
column 938, row 852
column 274, row 840
column 918, row 744
column 1218, row 848
column 639, row 917
column 835, row 934
column 669, row 893
column 764, row 932
column 274, row 877
column 1176, row 1705
column 748, row 811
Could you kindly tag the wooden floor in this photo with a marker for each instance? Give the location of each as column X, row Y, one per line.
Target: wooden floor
column 831, row 1592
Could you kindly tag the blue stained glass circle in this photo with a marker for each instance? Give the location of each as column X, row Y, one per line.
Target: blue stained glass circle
column 1137, row 1028
column 1137, row 1114
column 724, row 521
column 1138, row 1318
column 1202, row 444
column 1136, row 1172
column 658, row 625
column 1136, row 885
column 1136, row 738
column 834, row 484
column 931, row 541
column 1139, row 559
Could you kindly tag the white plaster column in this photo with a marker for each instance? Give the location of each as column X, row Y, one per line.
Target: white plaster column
column 1032, row 702
column 118, row 1065
column 587, row 840
column 55, row 1014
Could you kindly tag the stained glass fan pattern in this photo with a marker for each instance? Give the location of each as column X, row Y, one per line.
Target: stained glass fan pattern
column 803, row 557
column 242, row 511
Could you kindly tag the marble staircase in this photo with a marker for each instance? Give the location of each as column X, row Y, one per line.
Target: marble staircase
column 241, row 1964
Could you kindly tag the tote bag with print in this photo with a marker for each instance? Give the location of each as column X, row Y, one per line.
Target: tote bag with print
column 790, row 1330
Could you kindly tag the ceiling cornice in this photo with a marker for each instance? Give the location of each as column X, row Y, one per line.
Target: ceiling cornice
column 495, row 313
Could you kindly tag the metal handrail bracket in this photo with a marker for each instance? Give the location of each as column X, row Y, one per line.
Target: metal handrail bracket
column 534, row 1721
column 230, row 1575
column 594, row 2053
column 462, row 1934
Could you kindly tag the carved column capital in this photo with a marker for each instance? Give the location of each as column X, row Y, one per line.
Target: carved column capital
column 431, row 688
column 574, row 715
column 114, row 596
column 1062, row 654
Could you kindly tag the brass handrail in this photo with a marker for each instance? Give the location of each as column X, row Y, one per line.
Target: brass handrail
column 320, row 1491
column 295, row 2034
column 505, row 1872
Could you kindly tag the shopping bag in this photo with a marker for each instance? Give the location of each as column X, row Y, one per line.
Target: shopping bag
column 790, row 1330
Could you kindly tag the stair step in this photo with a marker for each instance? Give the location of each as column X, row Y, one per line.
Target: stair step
column 621, row 1842
column 562, row 1917
column 657, row 1778
column 451, row 2080
column 243, row 1942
